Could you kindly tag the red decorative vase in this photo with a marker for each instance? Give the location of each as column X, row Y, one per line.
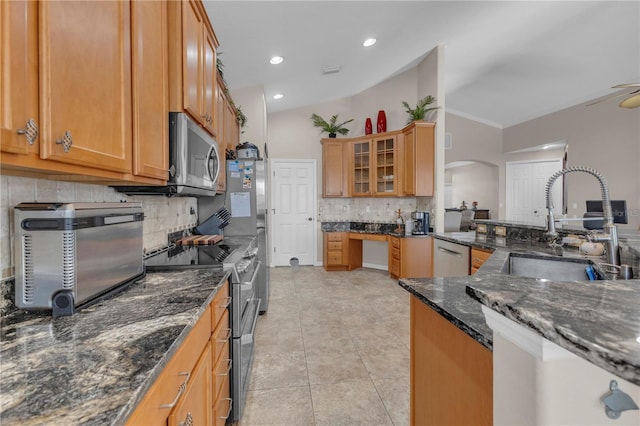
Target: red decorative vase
column 368, row 127
column 382, row 121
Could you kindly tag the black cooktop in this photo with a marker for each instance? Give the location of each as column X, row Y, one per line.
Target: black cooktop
column 182, row 257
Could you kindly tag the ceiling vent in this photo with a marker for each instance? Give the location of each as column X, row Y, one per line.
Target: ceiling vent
column 330, row 70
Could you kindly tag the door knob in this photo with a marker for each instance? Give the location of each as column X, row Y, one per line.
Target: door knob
column 310, row 219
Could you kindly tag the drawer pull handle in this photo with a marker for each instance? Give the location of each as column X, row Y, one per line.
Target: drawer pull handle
column 226, row 339
column 226, row 304
column 226, row 373
column 230, row 406
column 188, row 421
column 66, row 141
column 181, row 389
column 30, row 131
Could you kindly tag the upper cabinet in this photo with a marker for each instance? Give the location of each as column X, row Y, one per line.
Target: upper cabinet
column 69, row 105
column 374, row 162
column 419, row 159
column 192, row 55
column 396, row 163
column 335, row 181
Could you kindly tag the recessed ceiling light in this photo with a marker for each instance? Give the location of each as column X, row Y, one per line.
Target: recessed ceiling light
column 278, row 96
column 276, row 60
column 369, row 42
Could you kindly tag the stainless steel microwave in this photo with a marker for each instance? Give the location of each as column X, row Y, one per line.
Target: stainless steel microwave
column 194, row 161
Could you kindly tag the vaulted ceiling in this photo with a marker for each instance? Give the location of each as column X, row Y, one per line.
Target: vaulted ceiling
column 505, row 61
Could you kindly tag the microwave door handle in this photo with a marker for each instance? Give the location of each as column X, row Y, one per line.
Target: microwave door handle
column 207, row 163
column 213, row 155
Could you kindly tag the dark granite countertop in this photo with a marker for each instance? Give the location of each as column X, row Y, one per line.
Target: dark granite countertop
column 598, row 321
column 95, row 366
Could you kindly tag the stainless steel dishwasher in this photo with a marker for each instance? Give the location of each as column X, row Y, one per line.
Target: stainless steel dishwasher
column 450, row 259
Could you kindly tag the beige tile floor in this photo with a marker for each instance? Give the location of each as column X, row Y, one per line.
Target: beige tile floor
column 333, row 349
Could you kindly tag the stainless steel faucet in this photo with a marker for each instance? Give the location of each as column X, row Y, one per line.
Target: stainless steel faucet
column 609, row 234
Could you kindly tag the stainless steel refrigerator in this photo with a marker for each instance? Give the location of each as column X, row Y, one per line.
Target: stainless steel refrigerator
column 246, row 199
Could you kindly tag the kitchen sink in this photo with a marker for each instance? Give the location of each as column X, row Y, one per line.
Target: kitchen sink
column 551, row 268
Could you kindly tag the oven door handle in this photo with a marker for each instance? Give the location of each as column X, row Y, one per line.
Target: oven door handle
column 254, row 277
column 248, row 338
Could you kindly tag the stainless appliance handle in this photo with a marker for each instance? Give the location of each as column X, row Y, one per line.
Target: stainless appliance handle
column 254, row 277
column 444, row 250
column 207, row 166
column 248, row 338
column 218, row 159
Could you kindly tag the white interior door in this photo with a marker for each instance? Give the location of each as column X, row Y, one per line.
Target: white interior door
column 293, row 208
column 525, row 190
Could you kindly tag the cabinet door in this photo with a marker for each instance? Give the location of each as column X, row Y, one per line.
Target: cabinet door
column 384, row 174
column 19, row 77
column 209, row 81
column 409, row 162
column 361, row 168
column 220, row 132
column 334, row 178
column 85, row 82
column 424, row 159
column 417, row 257
column 192, row 38
column 150, row 89
column 195, row 408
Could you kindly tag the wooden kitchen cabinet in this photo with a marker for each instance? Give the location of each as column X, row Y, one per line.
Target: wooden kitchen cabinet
column 451, row 373
column 192, row 66
column 335, row 179
column 193, row 384
column 373, row 164
column 149, row 49
column 419, row 159
column 67, row 68
column 410, row 257
column 478, row 257
column 336, row 251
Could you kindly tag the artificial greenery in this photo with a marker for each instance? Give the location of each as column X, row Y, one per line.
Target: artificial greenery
column 332, row 127
column 220, row 65
column 422, row 108
column 242, row 119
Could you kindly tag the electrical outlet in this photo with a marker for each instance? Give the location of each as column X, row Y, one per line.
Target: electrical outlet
column 501, row 231
column 481, row 229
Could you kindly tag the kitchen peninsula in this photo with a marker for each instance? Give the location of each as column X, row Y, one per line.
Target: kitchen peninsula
column 592, row 326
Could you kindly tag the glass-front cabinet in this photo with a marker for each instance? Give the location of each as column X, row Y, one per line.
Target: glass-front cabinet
column 374, row 166
column 385, row 176
column 361, row 168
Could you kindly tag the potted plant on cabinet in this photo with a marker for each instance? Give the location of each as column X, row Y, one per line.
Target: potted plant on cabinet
column 420, row 111
column 332, row 127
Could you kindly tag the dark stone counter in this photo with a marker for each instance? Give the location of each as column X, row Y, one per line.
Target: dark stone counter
column 95, row 366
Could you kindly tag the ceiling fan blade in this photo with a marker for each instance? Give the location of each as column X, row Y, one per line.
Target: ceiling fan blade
column 624, row 86
column 632, row 102
column 619, row 95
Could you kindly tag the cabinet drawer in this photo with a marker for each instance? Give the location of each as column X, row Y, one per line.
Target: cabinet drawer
column 478, row 257
column 334, row 236
column 222, row 407
column 335, row 246
column 221, row 336
column 219, row 305
column 221, row 371
column 334, row 258
column 395, row 253
column 194, row 406
column 395, row 242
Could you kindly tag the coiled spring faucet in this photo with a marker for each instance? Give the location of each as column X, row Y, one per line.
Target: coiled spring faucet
column 609, row 234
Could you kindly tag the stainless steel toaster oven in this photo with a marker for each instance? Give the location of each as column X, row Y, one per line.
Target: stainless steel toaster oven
column 67, row 254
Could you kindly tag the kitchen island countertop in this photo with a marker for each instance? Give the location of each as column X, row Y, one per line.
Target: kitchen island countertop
column 598, row 321
column 95, row 366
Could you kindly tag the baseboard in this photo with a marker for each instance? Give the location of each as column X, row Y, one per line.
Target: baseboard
column 375, row 266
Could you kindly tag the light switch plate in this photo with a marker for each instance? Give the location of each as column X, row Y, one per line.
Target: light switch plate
column 501, row 231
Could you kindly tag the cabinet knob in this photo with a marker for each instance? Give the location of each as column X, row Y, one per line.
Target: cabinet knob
column 66, row 141
column 30, row 131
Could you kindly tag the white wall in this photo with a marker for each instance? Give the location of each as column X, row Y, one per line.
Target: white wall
column 251, row 100
column 475, row 182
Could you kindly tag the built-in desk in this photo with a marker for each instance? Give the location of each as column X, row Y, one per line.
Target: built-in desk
column 409, row 257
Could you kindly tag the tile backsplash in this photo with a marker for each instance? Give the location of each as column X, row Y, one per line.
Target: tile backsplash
column 162, row 214
column 383, row 210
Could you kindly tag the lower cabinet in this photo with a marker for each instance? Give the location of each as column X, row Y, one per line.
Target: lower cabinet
column 336, row 251
column 451, row 373
column 478, row 257
column 410, row 257
column 193, row 388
